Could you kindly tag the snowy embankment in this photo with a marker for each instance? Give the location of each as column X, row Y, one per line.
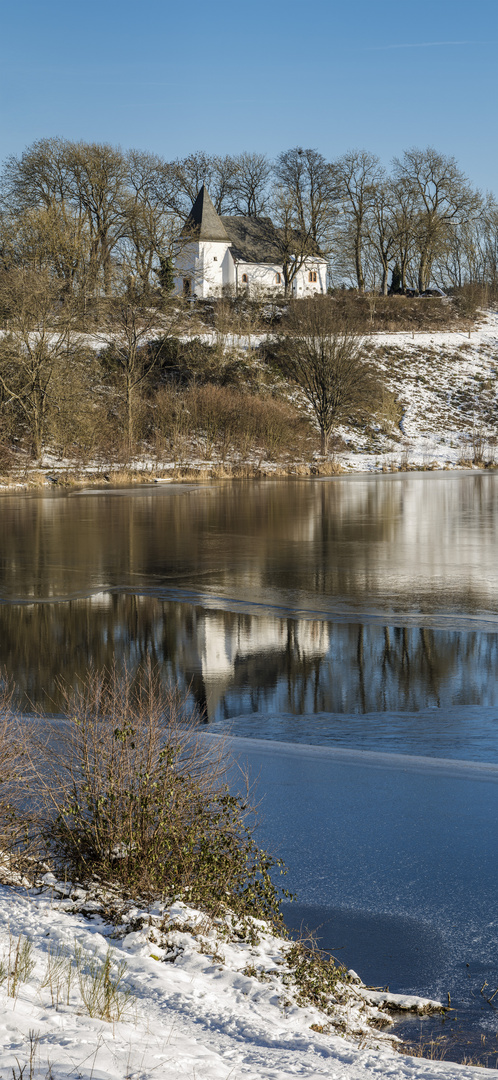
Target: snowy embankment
column 440, row 413
column 193, row 1003
column 446, row 387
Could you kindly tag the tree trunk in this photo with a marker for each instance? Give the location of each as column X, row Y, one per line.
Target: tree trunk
column 358, row 265
column 423, row 272
column 129, row 416
column 385, row 272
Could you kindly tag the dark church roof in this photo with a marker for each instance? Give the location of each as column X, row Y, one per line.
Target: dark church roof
column 203, row 223
column 253, row 239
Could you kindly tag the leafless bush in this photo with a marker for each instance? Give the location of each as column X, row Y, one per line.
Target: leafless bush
column 232, row 422
column 133, row 792
column 370, row 312
column 478, row 443
column 327, row 366
column 15, row 823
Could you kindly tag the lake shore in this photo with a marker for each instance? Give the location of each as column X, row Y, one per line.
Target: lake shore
column 67, row 476
column 188, row 999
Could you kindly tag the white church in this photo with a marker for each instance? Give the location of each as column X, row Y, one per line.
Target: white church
column 238, row 254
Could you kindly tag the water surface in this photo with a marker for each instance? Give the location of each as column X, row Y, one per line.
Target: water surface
column 357, row 614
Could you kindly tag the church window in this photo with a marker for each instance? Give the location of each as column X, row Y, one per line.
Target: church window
column 245, row 279
column 278, row 279
column 215, row 258
column 312, row 275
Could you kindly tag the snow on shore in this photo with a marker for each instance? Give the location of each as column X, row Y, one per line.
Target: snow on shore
column 196, row 1010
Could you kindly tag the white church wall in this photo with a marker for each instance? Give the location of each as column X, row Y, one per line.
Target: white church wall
column 261, row 278
column 213, row 268
column 304, row 281
column 207, row 265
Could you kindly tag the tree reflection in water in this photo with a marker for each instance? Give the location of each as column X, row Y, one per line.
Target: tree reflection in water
column 352, row 595
column 235, row 662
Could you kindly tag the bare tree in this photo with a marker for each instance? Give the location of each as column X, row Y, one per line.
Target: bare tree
column 326, row 363
column 84, row 183
column 216, row 173
column 291, row 244
column 99, row 176
column 250, row 186
column 40, row 177
column 150, row 225
column 381, row 230
column 136, row 335
column 489, row 240
column 309, row 186
column 444, row 199
column 405, row 214
column 358, row 174
column 51, row 238
column 35, row 352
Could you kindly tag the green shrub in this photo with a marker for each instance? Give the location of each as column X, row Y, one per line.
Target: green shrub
column 316, row 974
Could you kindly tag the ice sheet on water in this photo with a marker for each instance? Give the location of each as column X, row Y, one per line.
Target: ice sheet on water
column 467, row 734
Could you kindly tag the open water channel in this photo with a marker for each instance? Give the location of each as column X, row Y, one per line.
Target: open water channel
column 345, row 631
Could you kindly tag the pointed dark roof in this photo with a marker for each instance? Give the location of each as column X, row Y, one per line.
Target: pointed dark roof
column 203, row 223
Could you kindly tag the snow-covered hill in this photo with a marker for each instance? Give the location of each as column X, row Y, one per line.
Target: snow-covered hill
column 445, row 385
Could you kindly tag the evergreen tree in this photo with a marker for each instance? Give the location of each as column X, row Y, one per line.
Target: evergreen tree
column 166, row 274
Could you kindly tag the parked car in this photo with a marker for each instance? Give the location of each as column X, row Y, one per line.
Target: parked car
column 434, row 292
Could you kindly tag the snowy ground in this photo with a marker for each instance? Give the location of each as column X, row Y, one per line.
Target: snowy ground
column 196, row 1009
column 446, row 384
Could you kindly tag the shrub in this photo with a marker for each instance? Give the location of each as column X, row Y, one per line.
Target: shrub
column 15, row 823
column 183, row 361
column 370, row 312
column 231, row 421
column 137, row 794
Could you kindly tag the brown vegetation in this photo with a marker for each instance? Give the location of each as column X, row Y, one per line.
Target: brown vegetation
column 325, row 361
column 126, row 788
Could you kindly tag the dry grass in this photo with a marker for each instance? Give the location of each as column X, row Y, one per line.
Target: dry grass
column 449, row 1048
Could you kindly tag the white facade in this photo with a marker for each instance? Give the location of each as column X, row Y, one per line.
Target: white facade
column 207, row 268
column 204, row 268
column 217, row 255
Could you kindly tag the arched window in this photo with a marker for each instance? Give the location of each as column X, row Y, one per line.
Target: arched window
column 245, row 279
column 278, row 279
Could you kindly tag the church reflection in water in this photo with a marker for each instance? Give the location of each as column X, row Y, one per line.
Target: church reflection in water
column 238, row 663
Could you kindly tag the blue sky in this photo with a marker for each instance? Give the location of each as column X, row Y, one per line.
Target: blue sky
column 228, row 75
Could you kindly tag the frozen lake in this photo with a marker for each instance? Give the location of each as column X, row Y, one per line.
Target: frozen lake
column 345, row 632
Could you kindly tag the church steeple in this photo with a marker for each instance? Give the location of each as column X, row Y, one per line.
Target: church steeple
column 203, row 223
